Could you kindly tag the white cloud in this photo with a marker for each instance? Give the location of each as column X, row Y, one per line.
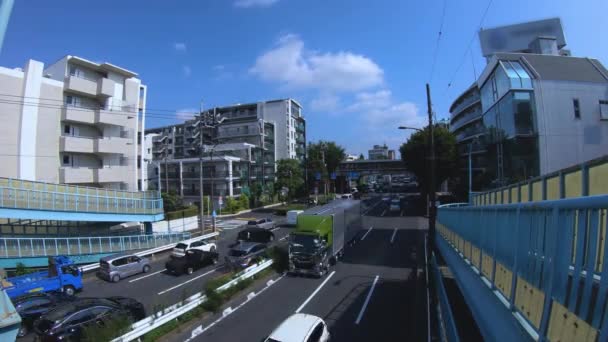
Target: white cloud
column 254, row 3
column 325, row 103
column 180, row 47
column 293, row 66
column 186, row 113
column 187, row 70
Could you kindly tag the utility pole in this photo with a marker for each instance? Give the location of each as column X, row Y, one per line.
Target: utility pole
column 166, row 171
column 432, row 187
column 200, row 167
column 470, row 172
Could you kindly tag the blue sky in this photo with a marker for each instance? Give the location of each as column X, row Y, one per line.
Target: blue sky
column 358, row 67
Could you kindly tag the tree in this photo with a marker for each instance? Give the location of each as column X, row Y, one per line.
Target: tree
column 415, row 155
column 290, row 176
column 361, row 157
column 172, row 202
column 328, row 151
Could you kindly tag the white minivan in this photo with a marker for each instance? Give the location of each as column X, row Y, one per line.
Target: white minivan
column 292, row 217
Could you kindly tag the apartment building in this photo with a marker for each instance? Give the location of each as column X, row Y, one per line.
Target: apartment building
column 534, row 109
column 379, row 152
column 73, row 122
column 238, row 155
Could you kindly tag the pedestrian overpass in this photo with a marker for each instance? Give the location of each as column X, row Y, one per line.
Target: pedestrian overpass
column 26, row 200
column 530, row 259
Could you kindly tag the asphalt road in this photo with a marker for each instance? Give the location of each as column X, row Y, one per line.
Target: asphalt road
column 376, row 292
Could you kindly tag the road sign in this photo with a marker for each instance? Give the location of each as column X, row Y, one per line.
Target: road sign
column 318, row 176
column 213, row 214
column 333, row 176
column 220, row 201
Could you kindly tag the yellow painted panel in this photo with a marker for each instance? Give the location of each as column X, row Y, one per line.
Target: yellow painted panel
column 537, row 191
column 598, row 179
column 524, row 193
column 503, row 279
column 4, row 182
column 529, row 300
column 475, row 256
column 467, row 249
column 487, row 264
column 573, row 182
column 505, row 196
column 514, row 195
column 567, row 327
column 553, row 188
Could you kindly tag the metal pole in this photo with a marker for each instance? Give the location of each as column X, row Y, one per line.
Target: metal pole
column 200, row 176
column 6, row 7
column 166, row 173
column 432, row 188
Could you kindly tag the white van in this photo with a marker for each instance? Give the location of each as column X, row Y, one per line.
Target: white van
column 292, row 217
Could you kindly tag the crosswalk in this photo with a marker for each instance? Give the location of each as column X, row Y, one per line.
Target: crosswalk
column 226, row 224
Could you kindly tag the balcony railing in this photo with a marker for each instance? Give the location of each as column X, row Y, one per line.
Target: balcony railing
column 20, row 194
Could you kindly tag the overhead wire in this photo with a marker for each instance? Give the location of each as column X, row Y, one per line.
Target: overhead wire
column 483, row 17
column 437, row 42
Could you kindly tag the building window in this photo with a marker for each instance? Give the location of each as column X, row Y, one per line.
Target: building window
column 577, row 108
column 138, row 138
column 603, row 110
column 148, row 150
column 67, row 129
column 66, row 159
column 138, row 163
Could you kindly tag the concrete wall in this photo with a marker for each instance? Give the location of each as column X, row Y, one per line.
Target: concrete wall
column 48, row 131
column 177, row 225
column 11, row 83
column 564, row 140
column 278, row 112
column 58, row 70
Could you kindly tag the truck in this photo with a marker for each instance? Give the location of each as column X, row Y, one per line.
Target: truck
column 320, row 236
column 62, row 275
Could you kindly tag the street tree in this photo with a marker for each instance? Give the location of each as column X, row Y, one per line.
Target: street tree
column 415, row 154
column 290, row 176
column 324, row 157
column 361, row 157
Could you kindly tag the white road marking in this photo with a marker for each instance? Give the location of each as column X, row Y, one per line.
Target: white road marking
column 146, row 276
column 372, row 207
column 284, row 237
column 189, row 281
column 315, row 292
column 393, row 237
column 200, row 331
column 364, row 235
column 322, row 211
column 384, row 212
column 369, row 296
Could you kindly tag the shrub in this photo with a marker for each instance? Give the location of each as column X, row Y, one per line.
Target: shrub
column 111, row 329
column 188, row 212
column 20, row 269
column 280, row 258
column 244, row 202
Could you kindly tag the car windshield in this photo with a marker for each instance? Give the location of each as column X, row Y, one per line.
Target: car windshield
column 301, row 243
column 252, row 223
column 181, row 246
column 237, row 253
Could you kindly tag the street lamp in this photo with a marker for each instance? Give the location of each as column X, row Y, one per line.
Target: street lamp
column 414, row 128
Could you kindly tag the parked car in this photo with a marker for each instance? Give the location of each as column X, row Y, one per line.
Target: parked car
column 300, row 328
column 120, row 266
column 255, row 234
column 265, row 223
column 347, row 196
column 245, row 254
column 312, row 201
column 197, row 243
column 69, row 321
column 192, row 261
column 292, row 217
column 395, row 205
column 31, row 306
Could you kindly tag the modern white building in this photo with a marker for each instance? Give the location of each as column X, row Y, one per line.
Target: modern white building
column 73, row 122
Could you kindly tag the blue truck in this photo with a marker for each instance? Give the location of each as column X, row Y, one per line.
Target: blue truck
column 62, row 275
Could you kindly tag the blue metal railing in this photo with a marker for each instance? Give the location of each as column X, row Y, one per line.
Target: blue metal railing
column 39, row 247
column 19, row 194
column 537, row 258
column 448, row 331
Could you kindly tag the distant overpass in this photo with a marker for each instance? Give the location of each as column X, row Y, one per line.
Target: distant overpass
column 357, row 168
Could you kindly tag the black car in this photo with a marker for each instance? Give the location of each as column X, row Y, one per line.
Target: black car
column 245, row 254
column 193, row 260
column 69, row 321
column 31, row 306
column 255, row 235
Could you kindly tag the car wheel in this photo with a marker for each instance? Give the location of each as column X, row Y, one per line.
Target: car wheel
column 190, row 270
column 212, row 249
column 271, row 238
column 69, row 290
column 214, row 261
column 116, row 278
column 22, row 330
column 146, row 269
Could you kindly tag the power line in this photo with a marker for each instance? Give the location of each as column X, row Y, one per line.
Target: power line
column 483, row 17
column 438, row 40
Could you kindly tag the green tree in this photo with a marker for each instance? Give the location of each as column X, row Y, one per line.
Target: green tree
column 361, row 157
column 289, row 175
column 324, row 157
column 415, row 155
column 172, row 202
column 244, row 202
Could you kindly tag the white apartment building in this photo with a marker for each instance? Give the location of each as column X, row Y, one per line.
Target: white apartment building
column 287, row 114
column 74, row 122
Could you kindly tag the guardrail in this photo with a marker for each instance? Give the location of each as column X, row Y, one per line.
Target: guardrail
column 534, row 261
column 40, row 247
column 94, row 266
column 152, row 322
column 447, row 326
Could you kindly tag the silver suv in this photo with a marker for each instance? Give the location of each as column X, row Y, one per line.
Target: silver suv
column 120, row 266
column 264, row 223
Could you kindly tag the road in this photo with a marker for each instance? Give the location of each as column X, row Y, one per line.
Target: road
column 376, row 292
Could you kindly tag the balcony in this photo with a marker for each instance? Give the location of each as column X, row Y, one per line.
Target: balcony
column 97, row 116
column 76, row 175
column 113, row 174
column 76, row 144
column 102, row 87
column 111, row 145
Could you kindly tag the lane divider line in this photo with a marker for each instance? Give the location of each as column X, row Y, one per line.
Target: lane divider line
column 364, row 235
column 189, row 281
column 315, row 292
column 384, row 212
column 146, row 276
column 369, row 296
column 200, row 330
column 393, row 237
